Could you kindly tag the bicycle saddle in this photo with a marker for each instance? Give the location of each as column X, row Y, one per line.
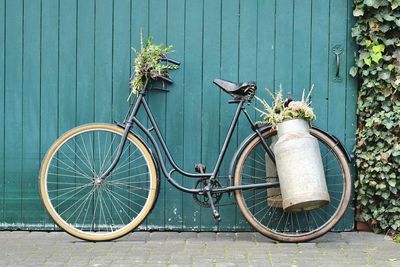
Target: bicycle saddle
column 232, row 88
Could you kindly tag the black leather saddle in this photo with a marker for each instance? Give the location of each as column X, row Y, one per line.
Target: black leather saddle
column 237, row 89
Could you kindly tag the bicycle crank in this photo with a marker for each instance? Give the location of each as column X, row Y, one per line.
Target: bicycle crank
column 203, row 199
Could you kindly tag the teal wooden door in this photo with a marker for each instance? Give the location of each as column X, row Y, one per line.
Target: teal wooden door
column 68, row 62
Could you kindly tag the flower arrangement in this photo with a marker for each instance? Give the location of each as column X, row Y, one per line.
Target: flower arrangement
column 147, row 64
column 286, row 109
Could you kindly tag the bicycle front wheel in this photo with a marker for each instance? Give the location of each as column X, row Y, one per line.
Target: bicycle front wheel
column 79, row 201
column 262, row 207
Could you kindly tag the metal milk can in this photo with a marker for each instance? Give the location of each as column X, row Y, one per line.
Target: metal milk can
column 274, row 197
column 299, row 166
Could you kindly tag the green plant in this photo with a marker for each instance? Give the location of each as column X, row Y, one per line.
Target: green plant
column 377, row 64
column 147, row 64
column 280, row 111
column 397, row 238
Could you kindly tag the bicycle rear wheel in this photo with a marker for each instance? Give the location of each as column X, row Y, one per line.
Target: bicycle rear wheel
column 84, row 205
column 261, row 207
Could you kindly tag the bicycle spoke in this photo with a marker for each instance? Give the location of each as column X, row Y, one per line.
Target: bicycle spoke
column 265, row 212
column 87, row 206
column 105, row 157
column 112, row 203
column 90, row 159
column 128, row 177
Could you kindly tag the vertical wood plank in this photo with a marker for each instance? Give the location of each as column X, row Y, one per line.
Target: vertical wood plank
column 139, row 25
column 2, row 110
column 49, row 81
column 351, row 106
column 265, row 46
column 264, row 64
column 247, row 66
column 301, row 47
column 192, row 104
column 175, row 103
column 157, row 99
column 337, row 89
column 67, row 66
column 211, row 97
column 103, row 60
column 121, row 58
column 85, row 81
column 319, row 62
column 13, row 113
column 229, row 71
column 120, row 75
column 31, row 204
column 284, row 45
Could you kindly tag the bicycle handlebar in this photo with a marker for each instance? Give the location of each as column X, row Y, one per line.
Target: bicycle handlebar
column 170, row 61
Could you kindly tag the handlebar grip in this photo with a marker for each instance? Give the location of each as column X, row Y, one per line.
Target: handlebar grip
column 170, row 61
column 166, row 79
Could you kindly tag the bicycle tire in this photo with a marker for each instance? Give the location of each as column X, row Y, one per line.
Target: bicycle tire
column 82, row 204
column 283, row 227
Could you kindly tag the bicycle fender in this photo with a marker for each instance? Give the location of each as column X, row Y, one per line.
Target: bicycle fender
column 337, row 142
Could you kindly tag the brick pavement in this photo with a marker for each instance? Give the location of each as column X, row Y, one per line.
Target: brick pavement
column 196, row 249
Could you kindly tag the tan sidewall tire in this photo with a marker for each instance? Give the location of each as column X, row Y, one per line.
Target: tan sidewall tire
column 91, row 236
column 302, row 238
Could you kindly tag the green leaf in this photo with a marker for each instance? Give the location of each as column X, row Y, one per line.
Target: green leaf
column 358, row 12
column 376, row 57
column 392, row 183
column 384, row 75
column 367, row 61
column 353, row 71
column 385, row 195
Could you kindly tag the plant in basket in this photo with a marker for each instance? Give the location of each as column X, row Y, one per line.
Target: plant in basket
column 147, row 64
column 297, row 154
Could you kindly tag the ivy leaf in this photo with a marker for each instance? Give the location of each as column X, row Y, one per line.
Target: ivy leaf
column 395, row 4
column 367, row 61
column 378, row 48
column 353, row 71
column 392, row 182
column 376, row 57
column 384, row 75
column 373, row 3
column 358, row 12
column 385, row 195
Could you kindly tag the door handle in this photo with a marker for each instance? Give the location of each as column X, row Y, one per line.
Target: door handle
column 337, row 50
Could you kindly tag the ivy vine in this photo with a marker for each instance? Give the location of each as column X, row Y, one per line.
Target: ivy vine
column 377, row 64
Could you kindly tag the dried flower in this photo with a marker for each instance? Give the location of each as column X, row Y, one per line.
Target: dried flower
column 280, row 111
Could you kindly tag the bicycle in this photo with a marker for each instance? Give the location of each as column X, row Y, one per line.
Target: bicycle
column 98, row 182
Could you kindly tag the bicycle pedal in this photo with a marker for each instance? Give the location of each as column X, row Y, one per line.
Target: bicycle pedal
column 216, row 216
column 200, row 168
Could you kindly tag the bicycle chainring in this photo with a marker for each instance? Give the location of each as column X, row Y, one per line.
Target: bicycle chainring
column 202, row 199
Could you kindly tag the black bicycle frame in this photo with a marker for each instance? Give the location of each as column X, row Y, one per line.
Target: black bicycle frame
column 131, row 119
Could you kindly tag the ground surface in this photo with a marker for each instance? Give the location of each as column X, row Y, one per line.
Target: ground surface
column 196, row 249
